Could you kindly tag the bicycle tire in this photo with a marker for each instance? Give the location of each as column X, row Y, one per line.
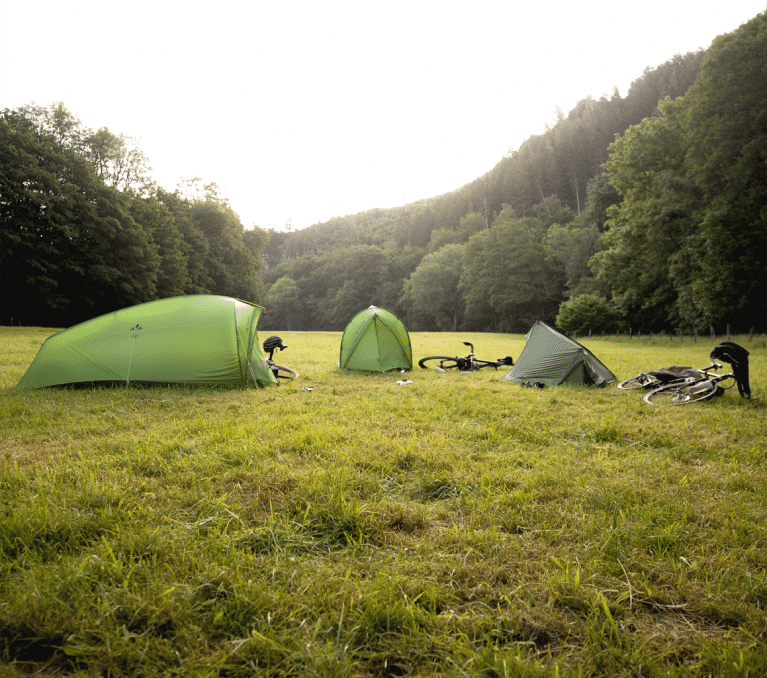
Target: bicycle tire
column 687, row 394
column 479, row 364
column 283, row 373
column 442, row 361
column 637, row 383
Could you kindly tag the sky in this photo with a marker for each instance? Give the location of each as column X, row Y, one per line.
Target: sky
column 304, row 110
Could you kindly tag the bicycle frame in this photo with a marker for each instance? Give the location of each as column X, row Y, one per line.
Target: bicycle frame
column 665, row 376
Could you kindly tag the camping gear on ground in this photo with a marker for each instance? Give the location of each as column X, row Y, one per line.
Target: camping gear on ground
column 703, row 385
column 375, row 340
column 551, row 358
column 198, row 339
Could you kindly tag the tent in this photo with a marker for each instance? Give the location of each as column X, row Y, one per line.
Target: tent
column 198, row 339
column 375, row 340
column 552, row 358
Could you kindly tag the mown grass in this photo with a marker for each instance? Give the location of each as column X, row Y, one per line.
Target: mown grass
column 458, row 526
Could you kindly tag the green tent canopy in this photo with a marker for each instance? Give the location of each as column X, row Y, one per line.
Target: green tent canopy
column 375, row 340
column 552, row 358
column 199, row 339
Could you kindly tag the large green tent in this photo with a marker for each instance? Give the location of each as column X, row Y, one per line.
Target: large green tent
column 199, row 339
column 552, row 358
column 375, row 340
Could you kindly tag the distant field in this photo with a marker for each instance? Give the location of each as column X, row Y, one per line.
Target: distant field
column 458, row 526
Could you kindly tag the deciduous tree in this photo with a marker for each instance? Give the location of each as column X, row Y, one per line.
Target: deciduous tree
column 434, row 287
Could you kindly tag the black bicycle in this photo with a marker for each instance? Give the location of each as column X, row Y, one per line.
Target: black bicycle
column 707, row 386
column 282, row 373
column 665, row 376
column 467, row 364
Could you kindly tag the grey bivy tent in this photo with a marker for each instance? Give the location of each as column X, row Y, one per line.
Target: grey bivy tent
column 551, row 358
column 375, row 340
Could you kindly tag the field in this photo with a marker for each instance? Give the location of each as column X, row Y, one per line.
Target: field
column 458, row 526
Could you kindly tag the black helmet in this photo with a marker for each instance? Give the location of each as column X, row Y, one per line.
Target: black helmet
column 737, row 356
column 272, row 343
column 731, row 353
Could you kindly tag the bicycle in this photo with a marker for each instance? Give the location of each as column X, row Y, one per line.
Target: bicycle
column 707, row 386
column 467, row 364
column 665, row 376
column 281, row 373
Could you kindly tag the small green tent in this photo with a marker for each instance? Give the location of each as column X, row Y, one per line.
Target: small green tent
column 552, row 358
column 199, row 339
column 375, row 340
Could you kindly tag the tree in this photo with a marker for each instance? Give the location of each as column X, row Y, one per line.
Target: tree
column 57, row 123
column 443, row 236
column 194, row 245
column 69, row 242
column 647, row 251
column 434, row 287
column 365, row 269
column 508, row 280
column 283, row 304
column 34, row 230
column 587, row 313
column 118, row 161
column 112, row 261
column 231, row 265
column 724, row 115
column 158, row 221
column 573, row 245
column 687, row 244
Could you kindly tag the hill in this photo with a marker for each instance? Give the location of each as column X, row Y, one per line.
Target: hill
column 372, row 253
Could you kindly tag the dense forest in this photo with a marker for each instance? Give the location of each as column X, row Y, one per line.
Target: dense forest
column 644, row 212
column 85, row 231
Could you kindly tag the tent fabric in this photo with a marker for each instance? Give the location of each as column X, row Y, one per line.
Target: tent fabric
column 375, row 340
column 197, row 339
column 550, row 357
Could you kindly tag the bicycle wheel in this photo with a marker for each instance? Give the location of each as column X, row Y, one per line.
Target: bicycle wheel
column 443, row 361
column 479, row 364
column 284, row 373
column 636, row 383
column 695, row 392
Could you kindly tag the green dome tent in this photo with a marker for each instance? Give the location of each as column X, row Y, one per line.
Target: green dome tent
column 375, row 340
column 552, row 358
column 199, row 339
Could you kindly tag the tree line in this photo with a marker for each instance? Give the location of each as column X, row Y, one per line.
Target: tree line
column 687, row 241
column 643, row 212
column 85, row 231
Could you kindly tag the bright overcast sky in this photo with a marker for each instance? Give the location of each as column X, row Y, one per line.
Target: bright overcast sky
column 304, row 110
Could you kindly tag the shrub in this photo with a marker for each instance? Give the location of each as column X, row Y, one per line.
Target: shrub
column 587, row 312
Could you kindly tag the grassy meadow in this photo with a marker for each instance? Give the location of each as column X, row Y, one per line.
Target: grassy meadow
column 458, row 526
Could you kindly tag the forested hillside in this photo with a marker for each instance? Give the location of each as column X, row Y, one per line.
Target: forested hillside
column 645, row 211
column 316, row 276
